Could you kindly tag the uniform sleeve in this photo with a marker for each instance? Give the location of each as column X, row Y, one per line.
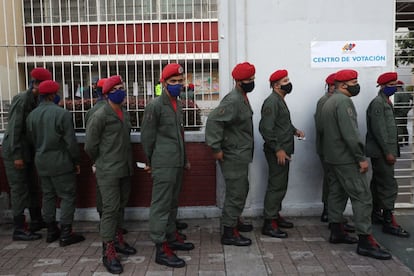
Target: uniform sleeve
column 16, row 122
column 149, row 129
column 378, row 125
column 349, row 130
column 216, row 122
column 267, row 124
column 94, row 130
column 69, row 137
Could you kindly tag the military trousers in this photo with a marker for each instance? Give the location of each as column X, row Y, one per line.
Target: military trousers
column 325, row 183
column 237, row 187
column 24, row 189
column 64, row 187
column 346, row 182
column 384, row 187
column 276, row 186
column 115, row 193
column 166, row 189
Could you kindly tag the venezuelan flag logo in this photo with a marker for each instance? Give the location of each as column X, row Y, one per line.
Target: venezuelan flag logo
column 348, row 47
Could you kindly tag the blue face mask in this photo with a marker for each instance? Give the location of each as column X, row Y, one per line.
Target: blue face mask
column 56, row 100
column 117, row 97
column 389, row 90
column 175, row 89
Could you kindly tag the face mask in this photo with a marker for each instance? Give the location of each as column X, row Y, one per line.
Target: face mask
column 174, row 89
column 354, row 89
column 389, row 90
column 287, row 87
column 117, row 97
column 56, row 100
column 247, row 87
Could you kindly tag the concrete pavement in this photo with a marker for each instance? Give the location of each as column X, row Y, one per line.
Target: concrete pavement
column 305, row 252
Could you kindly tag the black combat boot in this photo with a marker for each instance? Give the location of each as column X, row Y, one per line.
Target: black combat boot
column 177, row 243
column 391, row 226
column 368, row 246
column 53, row 232
column 67, row 237
column 110, row 259
column 121, row 246
column 21, row 231
column 377, row 217
column 165, row 256
column 338, row 234
column 36, row 220
column 180, row 225
column 281, row 222
column 231, row 236
column 244, row 227
column 324, row 215
column 271, row 228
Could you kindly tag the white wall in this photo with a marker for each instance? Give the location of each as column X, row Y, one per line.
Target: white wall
column 276, row 34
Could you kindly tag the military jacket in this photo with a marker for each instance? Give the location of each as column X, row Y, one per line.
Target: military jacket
column 50, row 129
column 162, row 133
column 382, row 136
column 275, row 125
column 229, row 128
column 318, row 123
column 91, row 111
column 342, row 143
column 403, row 103
column 15, row 145
column 108, row 142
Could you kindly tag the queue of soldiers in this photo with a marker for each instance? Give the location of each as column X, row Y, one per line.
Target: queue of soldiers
column 40, row 135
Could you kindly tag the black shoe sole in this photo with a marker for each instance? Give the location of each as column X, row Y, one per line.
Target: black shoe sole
column 367, row 254
column 170, row 265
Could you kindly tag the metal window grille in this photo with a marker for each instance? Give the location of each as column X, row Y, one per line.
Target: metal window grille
column 403, row 101
column 80, row 41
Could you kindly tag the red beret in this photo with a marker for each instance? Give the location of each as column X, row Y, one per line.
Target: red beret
column 243, row 71
column 191, row 86
column 101, row 82
column 170, row 70
column 278, row 75
column 41, row 74
column 330, row 80
column 400, row 83
column 346, row 75
column 48, row 87
column 110, row 83
column 387, row 77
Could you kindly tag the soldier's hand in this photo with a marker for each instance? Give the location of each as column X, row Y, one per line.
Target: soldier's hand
column 363, row 166
column 300, row 133
column 187, row 166
column 219, row 156
column 390, row 159
column 147, row 169
column 19, row 164
column 282, row 157
column 77, row 169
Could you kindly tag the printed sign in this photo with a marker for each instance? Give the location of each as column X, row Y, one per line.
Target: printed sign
column 358, row 53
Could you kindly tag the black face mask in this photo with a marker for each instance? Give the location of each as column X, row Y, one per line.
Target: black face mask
column 247, row 87
column 287, row 87
column 354, row 89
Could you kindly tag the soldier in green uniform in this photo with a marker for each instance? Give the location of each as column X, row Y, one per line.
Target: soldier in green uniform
column 383, row 148
column 403, row 101
column 50, row 130
column 229, row 132
column 344, row 154
column 277, row 131
column 18, row 161
column 108, row 144
column 162, row 137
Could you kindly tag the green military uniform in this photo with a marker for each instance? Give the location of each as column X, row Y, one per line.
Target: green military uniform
column 382, row 139
column 277, row 131
column 108, row 143
column 88, row 115
column 50, row 128
column 319, row 146
column 229, row 129
column 403, row 104
column 162, row 137
column 343, row 151
column 24, row 191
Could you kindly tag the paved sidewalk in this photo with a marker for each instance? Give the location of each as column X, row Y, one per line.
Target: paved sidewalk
column 305, row 252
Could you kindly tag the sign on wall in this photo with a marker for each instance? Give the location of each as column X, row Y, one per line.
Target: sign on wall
column 357, row 53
